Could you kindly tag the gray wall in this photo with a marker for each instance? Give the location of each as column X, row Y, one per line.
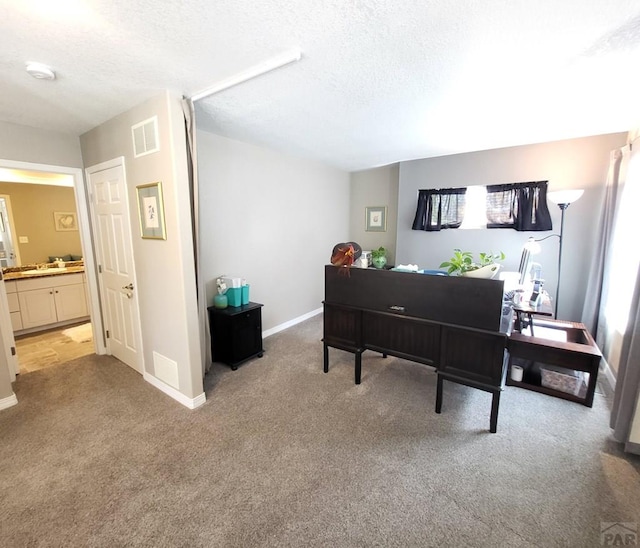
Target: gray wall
column 25, row 144
column 375, row 187
column 165, row 270
column 38, row 146
column 575, row 163
column 272, row 219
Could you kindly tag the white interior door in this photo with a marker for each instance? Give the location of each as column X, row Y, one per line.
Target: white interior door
column 116, row 274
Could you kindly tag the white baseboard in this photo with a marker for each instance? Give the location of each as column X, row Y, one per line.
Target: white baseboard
column 191, row 403
column 9, row 401
column 608, row 374
column 291, row 323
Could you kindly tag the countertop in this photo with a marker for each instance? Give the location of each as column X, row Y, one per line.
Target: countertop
column 16, row 274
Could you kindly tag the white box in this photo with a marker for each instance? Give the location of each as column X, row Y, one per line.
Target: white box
column 232, row 282
column 564, row 380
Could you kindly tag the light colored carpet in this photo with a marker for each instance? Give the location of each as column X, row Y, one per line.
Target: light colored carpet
column 282, row 454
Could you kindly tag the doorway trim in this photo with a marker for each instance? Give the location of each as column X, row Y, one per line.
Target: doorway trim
column 86, row 239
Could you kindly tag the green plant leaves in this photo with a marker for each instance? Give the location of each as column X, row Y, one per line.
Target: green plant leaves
column 462, row 261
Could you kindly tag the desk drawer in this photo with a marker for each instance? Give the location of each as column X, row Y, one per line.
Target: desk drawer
column 342, row 326
column 410, row 337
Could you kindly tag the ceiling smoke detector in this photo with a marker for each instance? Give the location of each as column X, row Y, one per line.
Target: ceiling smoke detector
column 40, row 71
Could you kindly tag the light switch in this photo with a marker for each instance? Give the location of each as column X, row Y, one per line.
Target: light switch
column 23, row 239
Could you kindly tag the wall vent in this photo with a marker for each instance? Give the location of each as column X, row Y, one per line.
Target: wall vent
column 145, row 137
column 166, row 370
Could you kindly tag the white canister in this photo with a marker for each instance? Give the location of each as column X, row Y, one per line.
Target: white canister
column 516, row 373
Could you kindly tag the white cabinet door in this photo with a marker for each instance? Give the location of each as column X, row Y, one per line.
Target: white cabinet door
column 71, row 302
column 16, row 321
column 14, row 310
column 37, row 307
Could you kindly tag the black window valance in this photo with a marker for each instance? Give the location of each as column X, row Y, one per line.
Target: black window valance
column 521, row 206
column 439, row 208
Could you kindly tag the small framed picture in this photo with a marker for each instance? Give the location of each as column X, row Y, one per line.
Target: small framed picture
column 65, row 220
column 151, row 211
column 376, row 219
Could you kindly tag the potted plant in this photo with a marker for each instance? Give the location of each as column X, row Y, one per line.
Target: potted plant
column 462, row 264
column 379, row 257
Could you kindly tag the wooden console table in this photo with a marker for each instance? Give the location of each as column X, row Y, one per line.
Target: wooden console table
column 453, row 324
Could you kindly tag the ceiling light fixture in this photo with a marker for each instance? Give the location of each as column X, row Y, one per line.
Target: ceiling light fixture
column 40, row 71
column 252, row 72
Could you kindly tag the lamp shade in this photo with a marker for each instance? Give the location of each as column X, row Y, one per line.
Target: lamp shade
column 565, row 196
column 532, row 246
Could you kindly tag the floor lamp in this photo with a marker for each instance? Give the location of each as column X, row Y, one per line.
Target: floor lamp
column 563, row 199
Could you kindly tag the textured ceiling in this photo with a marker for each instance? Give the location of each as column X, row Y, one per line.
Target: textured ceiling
column 379, row 80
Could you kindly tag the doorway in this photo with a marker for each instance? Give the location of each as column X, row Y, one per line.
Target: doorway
column 11, row 169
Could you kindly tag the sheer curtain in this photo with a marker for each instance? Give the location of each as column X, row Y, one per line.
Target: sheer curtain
column 613, row 296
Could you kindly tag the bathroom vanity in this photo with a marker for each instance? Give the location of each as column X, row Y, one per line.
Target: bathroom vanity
column 45, row 298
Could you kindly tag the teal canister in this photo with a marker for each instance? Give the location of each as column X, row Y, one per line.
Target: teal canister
column 220, row 301
column 245, row 294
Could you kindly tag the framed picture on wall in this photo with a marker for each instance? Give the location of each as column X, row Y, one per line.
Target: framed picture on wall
column 151, row 211
column 65, row 220
column 376, row 219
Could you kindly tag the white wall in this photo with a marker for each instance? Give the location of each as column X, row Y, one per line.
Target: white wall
column 26, row 144
column 574, row 163
column 165, row 269
column 272, row 219
column 375, row 187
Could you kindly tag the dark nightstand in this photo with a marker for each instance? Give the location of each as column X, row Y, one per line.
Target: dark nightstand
column 236, row 333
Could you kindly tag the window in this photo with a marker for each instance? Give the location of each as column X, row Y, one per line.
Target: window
column 625, row 253
column 521, row 206
column 475, row 214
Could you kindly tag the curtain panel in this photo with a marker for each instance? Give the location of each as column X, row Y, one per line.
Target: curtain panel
column 192, row 158
column 439, row 208
column 521, row 206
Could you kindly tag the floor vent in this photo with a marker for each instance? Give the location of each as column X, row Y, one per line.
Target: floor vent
column 145, row 137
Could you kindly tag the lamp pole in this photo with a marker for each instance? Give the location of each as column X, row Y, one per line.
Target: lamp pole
column 563, row 198
column 562, row 207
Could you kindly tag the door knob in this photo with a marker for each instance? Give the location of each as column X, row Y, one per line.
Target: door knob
column 129, row 287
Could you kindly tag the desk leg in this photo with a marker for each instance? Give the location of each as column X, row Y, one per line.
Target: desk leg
column 358, row 366
column 326, row 358
column 593, row 380
column 495, row 404
column 439, row 394
column 518, row 322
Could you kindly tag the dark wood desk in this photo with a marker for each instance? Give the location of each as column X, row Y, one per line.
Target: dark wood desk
column 451, row 323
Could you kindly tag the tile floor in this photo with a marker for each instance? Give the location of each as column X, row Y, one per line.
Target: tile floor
column 49, row 348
